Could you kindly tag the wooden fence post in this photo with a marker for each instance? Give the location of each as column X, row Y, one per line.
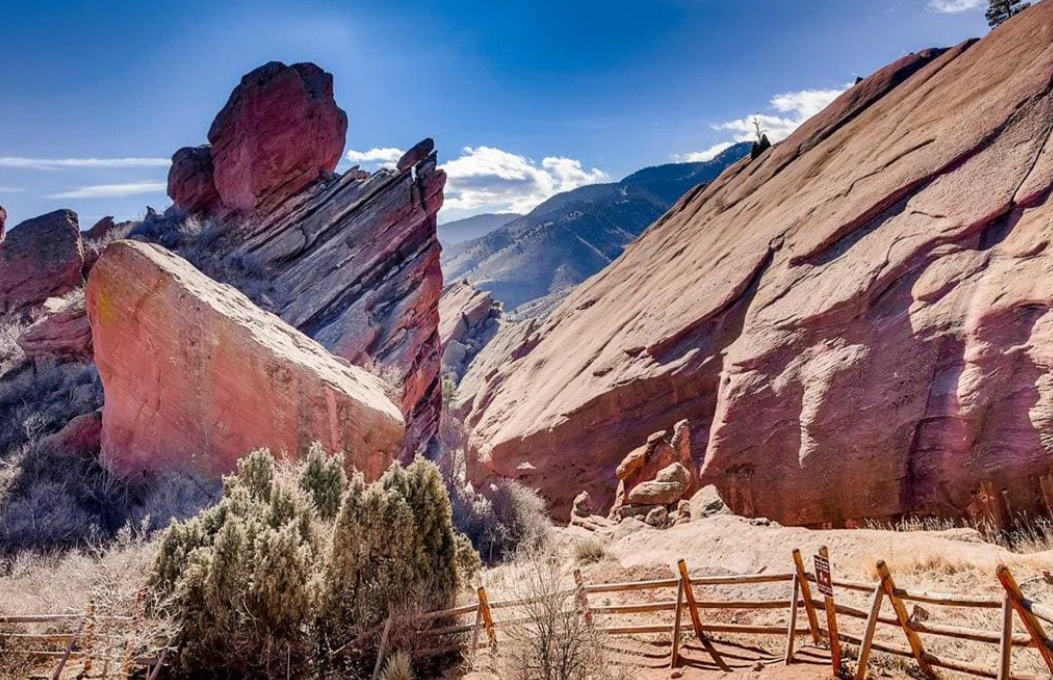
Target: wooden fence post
column 1005, row 645
column 696, row 620
column 488, row 618
column 583, row 599
column 68, row 651
column 831, row 620
column 89, row 637
column 868, row 633
column 792, row 631
column 1031, row 623
column 889, row 586
column 675, row 658
column 383, row 646
column 806, row 591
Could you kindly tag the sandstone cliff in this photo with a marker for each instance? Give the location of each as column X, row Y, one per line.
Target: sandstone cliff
column 856, row 323
column 351, row 260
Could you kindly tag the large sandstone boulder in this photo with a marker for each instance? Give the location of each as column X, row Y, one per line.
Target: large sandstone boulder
column 468, row 319
column 196, row 375
column 279, row 132
column 857, row 322
column 62, row 333
column 40, row 258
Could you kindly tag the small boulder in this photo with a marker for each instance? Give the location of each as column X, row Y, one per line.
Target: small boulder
column 657, row 518
column 668, row 486
column 279, row 132
column 40, row 258
column 100, row 229
column 196, row 376
column 415, row 155
column 81, row 437
column 582, row 505
column 63, row 333
column 706, row 503
column 191, row 184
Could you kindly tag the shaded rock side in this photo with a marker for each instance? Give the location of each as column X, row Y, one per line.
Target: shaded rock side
column 196, row 376
column 279, row 132
column 354, row 263
column 40, row 258
column 468, row 319
column 856, row 323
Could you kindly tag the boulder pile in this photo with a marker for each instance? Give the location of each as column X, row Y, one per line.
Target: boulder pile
column 468, row 319
column 40, row 258
column 656, row 480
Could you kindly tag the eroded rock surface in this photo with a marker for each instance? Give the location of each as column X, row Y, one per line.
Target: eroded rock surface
column 196, row 375
column 468, row 319
column 40, row 258
column 856, row 323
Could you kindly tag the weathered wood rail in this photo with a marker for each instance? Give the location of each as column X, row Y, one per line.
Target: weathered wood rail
column 818, row 610
column 686, row 596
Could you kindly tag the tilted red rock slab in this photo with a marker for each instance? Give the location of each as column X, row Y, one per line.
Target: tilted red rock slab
column 195, row 375
column 859, row 318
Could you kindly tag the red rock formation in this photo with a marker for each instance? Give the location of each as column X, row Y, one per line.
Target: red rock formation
column 40, row 258
column 63, row 333
column 279, row 132
column 191, row 184
column 645, row 464
column 468, row 319
column 858, row 318
column 3, row 221
column 196, row 375
column 353, row 261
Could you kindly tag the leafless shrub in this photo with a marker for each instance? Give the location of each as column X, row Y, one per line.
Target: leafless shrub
column 589, row 551
column 1028, row 534
column 506, row 517
column 552, row 641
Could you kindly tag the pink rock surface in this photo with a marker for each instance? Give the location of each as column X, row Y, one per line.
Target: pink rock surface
column 3, row 221
column 279, row 132
column 856, row 323
column 197, row 376
column 62, row 333
column 40, row 258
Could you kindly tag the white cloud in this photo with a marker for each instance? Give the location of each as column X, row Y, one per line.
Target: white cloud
column 10, row 190
column 92, row 163
column 500, row 181
column 386, row 156
column 955, row 6
column 703, row 156
column 786, row 113
column 113, row 190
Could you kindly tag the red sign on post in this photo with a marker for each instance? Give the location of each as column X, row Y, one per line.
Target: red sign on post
column 823, row 581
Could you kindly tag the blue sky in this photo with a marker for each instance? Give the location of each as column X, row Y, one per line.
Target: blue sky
column 523, row 98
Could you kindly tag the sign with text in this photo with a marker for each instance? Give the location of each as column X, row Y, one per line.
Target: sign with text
column 823, row 581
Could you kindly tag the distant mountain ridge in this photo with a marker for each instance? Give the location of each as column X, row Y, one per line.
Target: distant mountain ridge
column 457, row 231
column 575, row 234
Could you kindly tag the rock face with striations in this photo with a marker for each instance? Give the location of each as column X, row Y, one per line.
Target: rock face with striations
column 196, row 375
column 468, row 319
column 856, row 323
column 351, row 260
column 40, row 258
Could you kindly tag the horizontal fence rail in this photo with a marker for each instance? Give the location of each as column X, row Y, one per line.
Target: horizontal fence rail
column 810, row 602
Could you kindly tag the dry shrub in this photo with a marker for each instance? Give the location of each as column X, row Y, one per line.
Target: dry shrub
column 551, row 640
column 589, row 551
column 506, row 518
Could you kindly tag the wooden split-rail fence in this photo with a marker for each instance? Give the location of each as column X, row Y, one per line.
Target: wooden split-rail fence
column 815, row 593
column 815, row 596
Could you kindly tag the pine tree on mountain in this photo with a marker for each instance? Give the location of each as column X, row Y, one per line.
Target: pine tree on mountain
column 1001, row 10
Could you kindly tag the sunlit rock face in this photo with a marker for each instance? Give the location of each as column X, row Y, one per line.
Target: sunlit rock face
column 856, row 323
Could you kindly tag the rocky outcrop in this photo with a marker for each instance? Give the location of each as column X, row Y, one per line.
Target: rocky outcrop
column 351, row 260
column 40, row 258
column 3, row 221
column 195, row 375
column 661, row 472
column 468, row 319
column 191, row 180
column 279, row 133
column 856, row 323
column 61, row 333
